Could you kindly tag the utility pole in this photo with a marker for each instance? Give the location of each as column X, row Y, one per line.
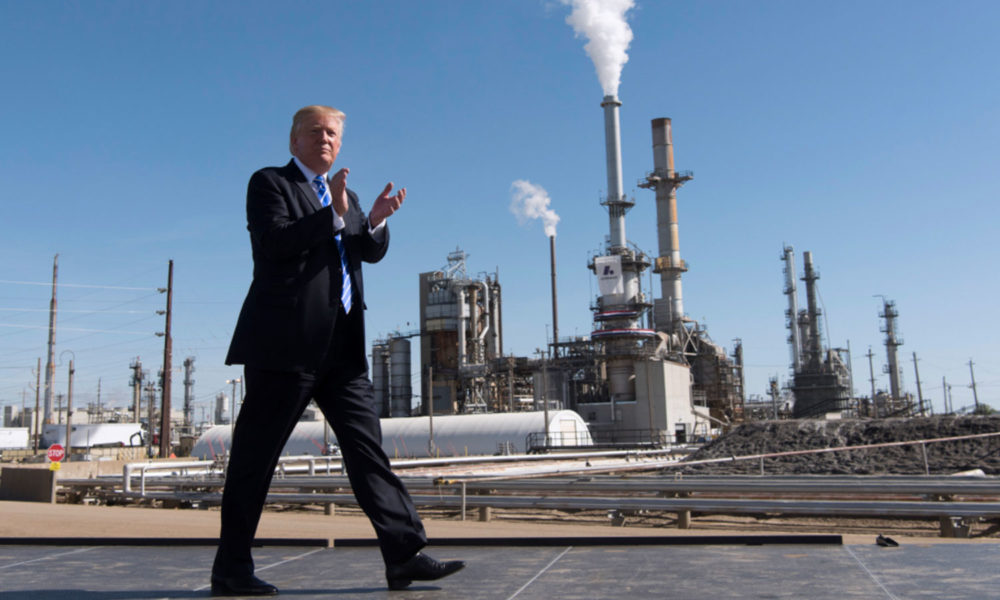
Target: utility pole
column 167, row 367
column 944, row 389
column 871, row 378
column 975, row 396
column 50, row 367
column 38, row 391
column 69, row 413
column 920, row 394
column 232, row 416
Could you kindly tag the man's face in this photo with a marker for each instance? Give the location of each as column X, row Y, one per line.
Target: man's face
column 316, row 141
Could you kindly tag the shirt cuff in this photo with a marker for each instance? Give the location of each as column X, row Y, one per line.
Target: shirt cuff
column 377, row 232
column 338, row 222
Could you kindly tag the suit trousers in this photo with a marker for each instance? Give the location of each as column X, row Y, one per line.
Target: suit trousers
column 275, row 400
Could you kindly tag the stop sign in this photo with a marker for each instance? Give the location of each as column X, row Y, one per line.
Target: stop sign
column 56, row 453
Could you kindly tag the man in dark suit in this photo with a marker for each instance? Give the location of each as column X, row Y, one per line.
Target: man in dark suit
column 300, row 336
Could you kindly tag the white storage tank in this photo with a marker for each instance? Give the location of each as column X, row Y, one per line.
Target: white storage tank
column 454, row 435
column 89, row 435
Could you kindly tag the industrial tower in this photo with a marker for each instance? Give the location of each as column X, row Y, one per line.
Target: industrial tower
column 821, row 376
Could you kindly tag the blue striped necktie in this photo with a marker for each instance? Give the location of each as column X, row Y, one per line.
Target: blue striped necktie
column 346, row 295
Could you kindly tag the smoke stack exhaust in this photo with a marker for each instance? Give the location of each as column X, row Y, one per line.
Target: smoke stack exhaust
column 613, row 153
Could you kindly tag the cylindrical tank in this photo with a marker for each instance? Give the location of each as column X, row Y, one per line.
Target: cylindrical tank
column 454, row 435
column 400, row 386
column 221, row 408
column 380, row 377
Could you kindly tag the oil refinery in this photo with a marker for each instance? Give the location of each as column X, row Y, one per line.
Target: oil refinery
column 647, row 375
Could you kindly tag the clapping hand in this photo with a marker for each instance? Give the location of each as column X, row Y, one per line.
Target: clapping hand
column 385, row 205
column 338, row 191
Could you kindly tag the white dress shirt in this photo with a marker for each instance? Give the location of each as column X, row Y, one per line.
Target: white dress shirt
column 338, row 221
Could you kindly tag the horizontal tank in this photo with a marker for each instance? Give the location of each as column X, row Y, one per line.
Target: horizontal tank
column 454, row 435
column 94, row 434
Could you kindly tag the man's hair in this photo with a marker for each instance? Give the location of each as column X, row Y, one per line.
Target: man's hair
column 307, row 111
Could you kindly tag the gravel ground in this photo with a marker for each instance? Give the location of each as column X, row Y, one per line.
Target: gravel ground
column 783, row 436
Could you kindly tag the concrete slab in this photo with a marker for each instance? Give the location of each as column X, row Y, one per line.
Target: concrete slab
column 691, row 572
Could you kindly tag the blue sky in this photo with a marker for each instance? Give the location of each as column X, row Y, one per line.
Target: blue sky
column 862, row 131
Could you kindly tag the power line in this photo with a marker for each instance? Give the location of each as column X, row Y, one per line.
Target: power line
column 81, row 285
column 77, row 329
column 89, row 312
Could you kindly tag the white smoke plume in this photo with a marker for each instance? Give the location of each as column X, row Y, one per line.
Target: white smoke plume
column 529, row 201
column 608, row 34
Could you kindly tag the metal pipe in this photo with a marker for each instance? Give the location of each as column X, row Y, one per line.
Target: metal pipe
column 462, row 326
column 486, row 321
column 474, row 323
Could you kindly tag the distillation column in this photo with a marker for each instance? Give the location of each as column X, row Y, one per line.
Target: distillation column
column 813, row 345
column 794, row 338
column 892, row 344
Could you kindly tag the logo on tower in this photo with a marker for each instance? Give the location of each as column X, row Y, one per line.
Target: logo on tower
column 609, row 274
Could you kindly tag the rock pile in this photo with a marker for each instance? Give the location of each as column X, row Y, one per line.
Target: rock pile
column 782, row 436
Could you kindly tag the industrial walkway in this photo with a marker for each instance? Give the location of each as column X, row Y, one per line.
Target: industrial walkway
column 809, row 567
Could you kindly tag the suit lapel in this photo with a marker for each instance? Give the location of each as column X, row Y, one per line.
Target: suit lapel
column 306, row 191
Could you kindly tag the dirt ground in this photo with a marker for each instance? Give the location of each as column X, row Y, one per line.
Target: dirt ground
column 36, row 519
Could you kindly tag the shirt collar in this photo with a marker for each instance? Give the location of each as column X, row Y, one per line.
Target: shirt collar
column 309, row 173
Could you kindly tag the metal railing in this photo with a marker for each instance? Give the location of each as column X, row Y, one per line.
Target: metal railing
column 540, row 441
column 550, row 486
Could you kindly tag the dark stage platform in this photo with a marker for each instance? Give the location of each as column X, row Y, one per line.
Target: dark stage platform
column 800, row 567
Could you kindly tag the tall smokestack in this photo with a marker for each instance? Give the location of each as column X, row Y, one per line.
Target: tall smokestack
column 669, row 309
column 613, row 153
column 555, row 310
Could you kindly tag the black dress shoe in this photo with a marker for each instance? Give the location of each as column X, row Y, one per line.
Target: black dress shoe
column 419, row 568
column 246, row 585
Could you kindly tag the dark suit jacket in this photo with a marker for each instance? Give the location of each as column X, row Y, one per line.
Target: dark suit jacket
column 288, row 317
